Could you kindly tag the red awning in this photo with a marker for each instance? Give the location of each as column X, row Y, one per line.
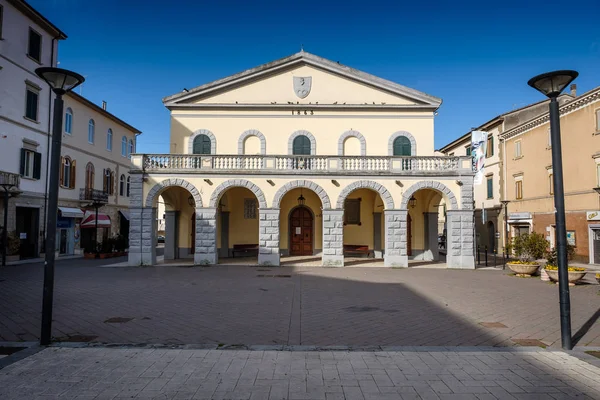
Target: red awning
column 89, row 220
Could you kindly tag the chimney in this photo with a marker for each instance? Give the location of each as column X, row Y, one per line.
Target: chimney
column 104, row 103
column 574, row 89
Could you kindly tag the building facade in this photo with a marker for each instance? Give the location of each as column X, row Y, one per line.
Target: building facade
column 490, row 226
column 302, row 156
column 529, row 174
column 29, row 41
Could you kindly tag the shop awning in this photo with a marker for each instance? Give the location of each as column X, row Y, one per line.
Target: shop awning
column 89, row 220
column 125, row 214
column 69, row 212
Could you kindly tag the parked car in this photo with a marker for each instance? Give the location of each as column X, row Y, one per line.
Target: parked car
column 161, row 238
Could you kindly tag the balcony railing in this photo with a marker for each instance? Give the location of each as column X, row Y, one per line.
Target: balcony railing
column 302, row 164
column 93, row 195
column 9, row 180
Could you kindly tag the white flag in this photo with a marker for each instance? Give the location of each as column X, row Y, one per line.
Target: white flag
column 478, row 148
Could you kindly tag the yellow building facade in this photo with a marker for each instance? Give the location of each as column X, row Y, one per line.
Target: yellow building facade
column 302, row 156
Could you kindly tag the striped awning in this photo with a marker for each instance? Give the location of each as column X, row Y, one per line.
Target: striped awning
column 70, row 212
column 89, row 220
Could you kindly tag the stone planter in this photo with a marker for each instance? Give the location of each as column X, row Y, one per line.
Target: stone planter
column 523, row 269
column 573, row 277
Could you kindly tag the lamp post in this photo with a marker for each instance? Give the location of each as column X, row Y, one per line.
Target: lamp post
column 552, row 84
column 505, row 204
column 60, row 81
column 7, row 181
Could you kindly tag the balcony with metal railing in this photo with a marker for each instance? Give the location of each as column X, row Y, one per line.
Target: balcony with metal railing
column 93, row 196
column 294, row 164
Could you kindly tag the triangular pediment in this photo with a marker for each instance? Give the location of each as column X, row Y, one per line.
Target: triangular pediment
column 303, row 79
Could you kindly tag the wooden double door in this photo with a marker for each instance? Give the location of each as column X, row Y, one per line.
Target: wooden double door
column 301, row 232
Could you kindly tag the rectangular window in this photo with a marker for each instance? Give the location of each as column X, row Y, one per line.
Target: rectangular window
column 490, row 187
column 519, row 190
column 249, row 208
column 31, row 103
column 518, row 152
column 598, row 120
column 489, row 151
column 352, row 212
column 598, row 174
column 551, row 183
column 34, row 50
column 549, row 139
column 468, row 150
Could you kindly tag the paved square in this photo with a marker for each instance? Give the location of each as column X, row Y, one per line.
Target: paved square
column 450, row 373
column 354, row 306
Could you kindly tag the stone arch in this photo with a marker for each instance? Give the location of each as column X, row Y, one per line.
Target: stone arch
column 211, row 136
column 325, row 202
column 356, row 134
column 243, row 183
column 313, row 141
column 440, row 187
column 409, row 136
column 383, row 192
column 159, row 187
column 252, row 132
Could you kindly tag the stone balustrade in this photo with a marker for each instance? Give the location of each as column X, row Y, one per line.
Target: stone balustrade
column 316, row 165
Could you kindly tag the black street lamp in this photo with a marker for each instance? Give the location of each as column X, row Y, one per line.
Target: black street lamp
column 61, row 81
column 505, row 204
column 552, row 84
column 7, row 182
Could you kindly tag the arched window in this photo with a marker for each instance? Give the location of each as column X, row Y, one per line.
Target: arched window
column 109, row 136
column 201, row 144
column 108, row 182
column 122, row 185
column 124, row 146
column 127, row 186
column 402, row 146
column 68, row 121
column 131, row 149
column 89, row 176
column 91, row 131
column 67, row 172
column 301, row 146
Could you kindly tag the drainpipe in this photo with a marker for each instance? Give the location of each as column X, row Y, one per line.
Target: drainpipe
column 505, row 194
column 54, row 41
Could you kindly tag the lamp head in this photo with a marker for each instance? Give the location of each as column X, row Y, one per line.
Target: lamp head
column 60, row 80
column 553, row 83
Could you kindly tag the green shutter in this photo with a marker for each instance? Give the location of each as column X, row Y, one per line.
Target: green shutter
column 490, row 188
column 301, row 146
column 402, row 146
column 37, row 165
column 22, row 168
column 202, row 145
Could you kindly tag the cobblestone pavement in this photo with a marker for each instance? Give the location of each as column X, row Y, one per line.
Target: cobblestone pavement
column 359, row 306
column 445, row 373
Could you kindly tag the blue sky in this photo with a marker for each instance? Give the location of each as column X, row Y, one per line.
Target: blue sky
column 476, row 56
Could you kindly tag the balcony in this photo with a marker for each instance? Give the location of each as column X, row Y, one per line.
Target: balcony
column 9, row 180
column 308, row 165
column 93, row 195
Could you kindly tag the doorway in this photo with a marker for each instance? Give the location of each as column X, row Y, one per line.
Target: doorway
column 27, row 227
column 491, row 236
column 596, row 245
column 301, row 232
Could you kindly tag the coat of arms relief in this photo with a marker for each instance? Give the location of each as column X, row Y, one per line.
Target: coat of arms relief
column 302, row 86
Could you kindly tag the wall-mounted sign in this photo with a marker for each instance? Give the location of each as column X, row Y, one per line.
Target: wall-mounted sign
column 22, row 235
column 571, row 238
column 593, row 215
column 519, row 215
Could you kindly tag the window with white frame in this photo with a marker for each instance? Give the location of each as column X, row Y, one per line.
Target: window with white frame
column 32, row 94
column 31, row 164
column 109, row 136
column 34, row 46
column 91, row 131
column 519, row 187
column 131, row 149
column 598, row 174
column 68, row 121
column 518, row 152
column 122, row 185
column 67, row 175
column 124, row 146
column 598, row 120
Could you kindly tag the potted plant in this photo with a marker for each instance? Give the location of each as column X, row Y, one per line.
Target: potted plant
column 13, row 247
column 527, row 247
column 552, row 259
column 575, row 274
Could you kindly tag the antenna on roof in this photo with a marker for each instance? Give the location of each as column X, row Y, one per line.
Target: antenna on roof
column 301, row 48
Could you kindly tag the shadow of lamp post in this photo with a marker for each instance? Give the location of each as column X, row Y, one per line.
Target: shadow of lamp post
column 60, row 81
column 551, row 84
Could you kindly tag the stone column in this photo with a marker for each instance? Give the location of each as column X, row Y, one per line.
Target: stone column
column 142, row 236
column 460, row 239
column 205, row 252
column 171, row 233
column 268, row 241
column 395, row 238
column 333, row 238
column 431, row 236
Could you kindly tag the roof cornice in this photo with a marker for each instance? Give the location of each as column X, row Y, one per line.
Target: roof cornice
column 574, row 105
column 303, row 107
column 466, row 137
column 102, row 111
column 38, row 18
column 307, row 59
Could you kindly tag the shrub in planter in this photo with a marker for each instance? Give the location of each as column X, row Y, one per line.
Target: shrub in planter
column 527, row 248
column 575, row 274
